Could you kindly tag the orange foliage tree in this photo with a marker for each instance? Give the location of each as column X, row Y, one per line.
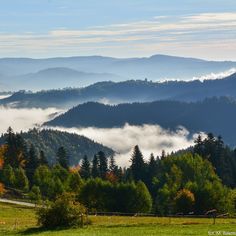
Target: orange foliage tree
column 3, row 149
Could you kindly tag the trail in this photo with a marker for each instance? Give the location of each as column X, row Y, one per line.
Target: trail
column 4, row 200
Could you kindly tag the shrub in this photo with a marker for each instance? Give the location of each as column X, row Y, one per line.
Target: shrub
column 184, row 201
column 64, row 212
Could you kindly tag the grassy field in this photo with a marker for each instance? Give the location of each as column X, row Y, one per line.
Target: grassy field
column 16, row 220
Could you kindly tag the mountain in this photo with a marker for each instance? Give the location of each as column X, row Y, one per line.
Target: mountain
column 76, row 146
column 126, row 91
column 53, row 78
column 154, row 68
column 217, row 115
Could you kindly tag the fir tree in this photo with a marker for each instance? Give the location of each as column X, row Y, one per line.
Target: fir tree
column 42, row 159
column 137, row 164
column 32, row 163
column 103, row 164
column 62, row 158
column 95, row 171
column 85, row 171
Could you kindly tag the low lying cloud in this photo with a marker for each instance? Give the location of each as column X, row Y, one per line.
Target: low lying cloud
column 150, row 138
column 213, row 76
column 23, row 119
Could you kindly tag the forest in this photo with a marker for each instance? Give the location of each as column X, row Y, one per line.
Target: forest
column 192, row 181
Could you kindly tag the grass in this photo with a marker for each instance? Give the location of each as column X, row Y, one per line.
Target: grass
column 17, row 220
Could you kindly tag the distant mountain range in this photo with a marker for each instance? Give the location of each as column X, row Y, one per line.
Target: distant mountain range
column 127, row 91
column 76, row 146
column 37, row 74
column 59, row 77
column 217, row 115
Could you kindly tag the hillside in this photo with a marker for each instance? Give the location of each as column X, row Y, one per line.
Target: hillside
column 127, row 91
column 50, row 140
column 25, row 73
column 215, row 115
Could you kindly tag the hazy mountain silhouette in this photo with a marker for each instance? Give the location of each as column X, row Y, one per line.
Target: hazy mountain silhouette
column 24, row 70
column 53, row 78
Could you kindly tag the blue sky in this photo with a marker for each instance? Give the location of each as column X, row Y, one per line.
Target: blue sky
column 124, row 28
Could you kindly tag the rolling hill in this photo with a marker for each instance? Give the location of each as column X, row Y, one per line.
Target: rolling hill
column 76, row 146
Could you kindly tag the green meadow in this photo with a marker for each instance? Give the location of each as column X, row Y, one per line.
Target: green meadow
column 18, row 220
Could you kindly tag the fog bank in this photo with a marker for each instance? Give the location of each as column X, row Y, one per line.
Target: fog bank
column 150, row 138
column 24, row 119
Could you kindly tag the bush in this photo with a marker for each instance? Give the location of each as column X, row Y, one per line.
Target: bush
column 64, row 212
column 184, row 201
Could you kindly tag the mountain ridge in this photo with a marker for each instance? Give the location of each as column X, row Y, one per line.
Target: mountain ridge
column 126, row 91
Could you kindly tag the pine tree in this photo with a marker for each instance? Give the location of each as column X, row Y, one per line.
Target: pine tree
column 62, row 158
column 32, row 163
column 103, row 164
column 138, row 165
column 85, row 171
column 42, row 159
column 152, row 169
column 112, row 164
column 95, row 171
column 16, row 152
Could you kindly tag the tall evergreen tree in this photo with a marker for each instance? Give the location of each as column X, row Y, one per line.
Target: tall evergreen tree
column 85, row 170
column 32, row 163
column 16, row 153
column 62, row 157
column 102, row 164
column 112, row 164
column 152, row 170
column 137, row 164
column 42, row 159
column 95, row 170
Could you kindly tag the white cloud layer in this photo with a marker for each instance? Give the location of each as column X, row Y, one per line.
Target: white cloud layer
column 23, row 119
column 213, row 76
column 208, row 35
column 150, row 138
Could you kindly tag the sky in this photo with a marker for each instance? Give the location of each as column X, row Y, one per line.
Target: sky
column 125, row 28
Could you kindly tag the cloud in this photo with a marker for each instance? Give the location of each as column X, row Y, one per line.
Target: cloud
column 150, row 138
column 23, row 119
column 213, row 76
column 212, row 17
column 208, row 34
